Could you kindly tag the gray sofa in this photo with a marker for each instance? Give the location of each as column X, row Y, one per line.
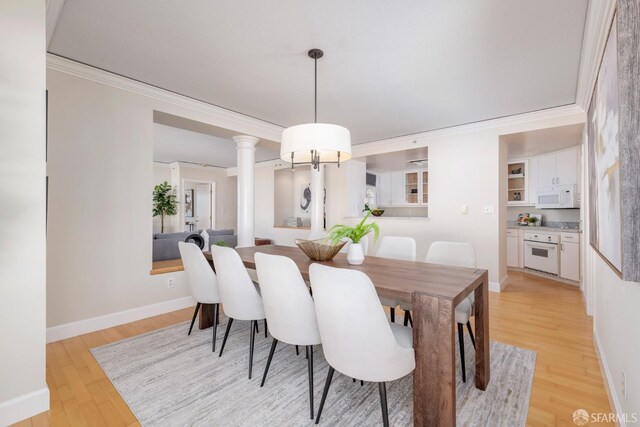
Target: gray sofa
column 165, row 245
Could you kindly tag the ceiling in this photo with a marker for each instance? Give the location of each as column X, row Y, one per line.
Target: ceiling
column 390, row 68
column 397, row 160
column 534, row 143
column 198, row 145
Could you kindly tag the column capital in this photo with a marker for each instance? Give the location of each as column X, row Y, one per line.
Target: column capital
column 246, row 141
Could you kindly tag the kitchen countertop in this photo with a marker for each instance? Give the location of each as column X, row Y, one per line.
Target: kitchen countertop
column 544, row 228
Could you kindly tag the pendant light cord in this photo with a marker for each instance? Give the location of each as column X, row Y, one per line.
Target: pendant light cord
column 315, row 88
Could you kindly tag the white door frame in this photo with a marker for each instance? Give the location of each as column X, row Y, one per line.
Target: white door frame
column 213, row 199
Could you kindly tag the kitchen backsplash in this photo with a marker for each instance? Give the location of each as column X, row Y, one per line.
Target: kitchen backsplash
column 548, row 215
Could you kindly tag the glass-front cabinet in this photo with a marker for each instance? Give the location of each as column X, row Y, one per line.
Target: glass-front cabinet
column 403, row 188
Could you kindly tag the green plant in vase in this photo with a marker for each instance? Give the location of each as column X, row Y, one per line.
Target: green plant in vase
column 164, row 202
column 532, row 220
column 355, row 234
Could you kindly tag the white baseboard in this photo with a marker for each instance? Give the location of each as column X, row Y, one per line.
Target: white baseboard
column 608, row 379
column 68, row 330
column 23, row 407
column 498, row 286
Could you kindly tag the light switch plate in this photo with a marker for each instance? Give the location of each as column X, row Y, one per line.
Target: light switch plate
column 489, row 209
column 464, row 209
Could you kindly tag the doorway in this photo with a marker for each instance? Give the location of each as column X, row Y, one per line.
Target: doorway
column 199, row 205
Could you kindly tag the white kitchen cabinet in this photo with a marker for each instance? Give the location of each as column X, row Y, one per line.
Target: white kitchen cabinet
column 558, row 168
column 570, row 256
column 518, row 182
column 397, row 189
column 512, row 248
column 547, row 170
column 383, row 188
column 402, row 188
column 567, row 163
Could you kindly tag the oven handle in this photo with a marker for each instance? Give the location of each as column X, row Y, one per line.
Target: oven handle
column 547, row 246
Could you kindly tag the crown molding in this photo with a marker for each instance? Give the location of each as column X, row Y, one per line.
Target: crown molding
column 599, row 16
column 423, row 138
column 220, row 116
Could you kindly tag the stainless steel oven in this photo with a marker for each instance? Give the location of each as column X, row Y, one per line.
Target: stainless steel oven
column 541, row 252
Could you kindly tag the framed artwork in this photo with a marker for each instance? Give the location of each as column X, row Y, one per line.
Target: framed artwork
column 613, row 133
column 605, row 228
column 188, row 203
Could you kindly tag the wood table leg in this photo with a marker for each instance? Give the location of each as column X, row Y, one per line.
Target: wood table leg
column 481, row 315
column 206, row 316
column 434, row 380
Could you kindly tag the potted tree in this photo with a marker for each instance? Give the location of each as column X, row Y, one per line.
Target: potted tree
column 355, row 256
column 164, row 202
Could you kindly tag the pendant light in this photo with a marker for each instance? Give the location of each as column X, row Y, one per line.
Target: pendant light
column 315, row 143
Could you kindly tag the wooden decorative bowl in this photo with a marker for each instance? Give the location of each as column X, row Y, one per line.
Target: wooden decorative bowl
column 377, row 212
column 319, row 250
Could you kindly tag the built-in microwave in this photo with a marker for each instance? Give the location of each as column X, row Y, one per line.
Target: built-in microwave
column 558, row 197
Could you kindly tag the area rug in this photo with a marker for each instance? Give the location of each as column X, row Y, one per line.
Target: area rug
column 170, row 379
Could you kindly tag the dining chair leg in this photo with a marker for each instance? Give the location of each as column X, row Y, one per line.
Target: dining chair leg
column 392, row 312
column 306, row 352
column 255, row 327
column 215, row 326
column 226, row 334
column 266, row 368
column 324, row 392
column 265, row 328
column 252, row 338
column 473, row 340
column 361, row 383
column 195, row 314
column 310, row 365
column 297, row 352
column 461, row 343
column 382, row 388
column 407, row 318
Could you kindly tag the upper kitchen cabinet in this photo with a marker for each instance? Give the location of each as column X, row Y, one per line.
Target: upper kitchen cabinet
column 518, row 182
column 559, row 168
column 403, row 188
column 384, row 189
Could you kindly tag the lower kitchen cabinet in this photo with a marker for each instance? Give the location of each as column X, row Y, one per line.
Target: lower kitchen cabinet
column 570, row 256
column 512, row 248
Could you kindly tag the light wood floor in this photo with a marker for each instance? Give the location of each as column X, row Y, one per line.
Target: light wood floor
column 532, row 312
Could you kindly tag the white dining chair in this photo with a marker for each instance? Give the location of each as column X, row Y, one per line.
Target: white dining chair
column 456, row 254
column 239, row 294
column 393, row 247
column 357, row 339
column 202, row 281
column 289, row 309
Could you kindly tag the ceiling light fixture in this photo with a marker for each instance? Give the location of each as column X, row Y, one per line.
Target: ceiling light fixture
column 315, row 143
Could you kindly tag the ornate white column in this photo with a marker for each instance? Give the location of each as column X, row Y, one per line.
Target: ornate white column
column 317, row 200
column 246, row 146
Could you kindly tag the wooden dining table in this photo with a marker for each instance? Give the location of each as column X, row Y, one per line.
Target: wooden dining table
column 434, row 291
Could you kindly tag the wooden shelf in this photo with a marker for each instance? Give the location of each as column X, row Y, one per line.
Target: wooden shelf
column 521, row 175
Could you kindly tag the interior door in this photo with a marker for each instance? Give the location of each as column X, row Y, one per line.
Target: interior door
column 202, row 206
column 547, row 171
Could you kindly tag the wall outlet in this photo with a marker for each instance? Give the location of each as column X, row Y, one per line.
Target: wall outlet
column 464, row 209
column 624, row 385
column 489, row 209
column 170, row 282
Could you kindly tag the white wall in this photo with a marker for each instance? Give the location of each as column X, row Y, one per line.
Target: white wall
column 101, row 176
column 23, row 388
